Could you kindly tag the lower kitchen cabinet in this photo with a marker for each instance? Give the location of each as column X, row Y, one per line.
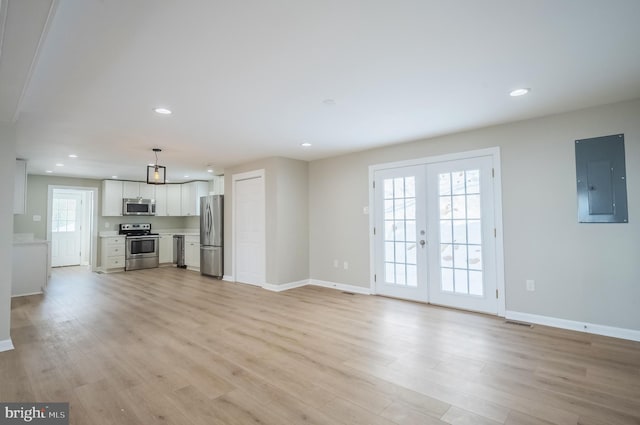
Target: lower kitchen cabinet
column 192, row 252
column 112, row 251
column 31, row 268
column 166, row 249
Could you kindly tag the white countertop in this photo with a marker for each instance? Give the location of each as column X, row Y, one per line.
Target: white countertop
column 186, row 232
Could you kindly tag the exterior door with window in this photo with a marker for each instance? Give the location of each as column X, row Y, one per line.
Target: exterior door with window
column 66, row 231
column 401, row 262
column 461, row 234
column 435, row 233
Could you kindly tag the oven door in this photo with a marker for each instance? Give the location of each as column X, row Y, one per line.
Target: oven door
column 141, row 252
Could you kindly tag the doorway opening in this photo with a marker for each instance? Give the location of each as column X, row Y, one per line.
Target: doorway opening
column 72, row 226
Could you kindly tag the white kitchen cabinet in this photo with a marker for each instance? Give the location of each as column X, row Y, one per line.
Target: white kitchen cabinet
column 161, row 200
column 174, row 203
column 217, row 185
column 20, row 190
column 173, row 200
column 30, row 268
column 191, row 193
column 147, row 191
column 112, row 197
column 112, row 251
column 130, row 189
column 192, row 252
column 165, row 249
column 138, row 190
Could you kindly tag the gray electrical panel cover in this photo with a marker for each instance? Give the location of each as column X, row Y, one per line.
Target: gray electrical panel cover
column 601, row 177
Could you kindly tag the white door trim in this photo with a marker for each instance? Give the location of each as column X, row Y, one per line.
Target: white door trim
column 494, row 152
column 234, row 179
column 94, row 227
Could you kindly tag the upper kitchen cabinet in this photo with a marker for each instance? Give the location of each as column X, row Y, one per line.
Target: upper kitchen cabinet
column 191, row 193
column 130, row 189
column 112, row 194
column 148, row 191
column 217, row 185
column 20, row 191
column 161, row 200
column 138, row 190
column 173, row 200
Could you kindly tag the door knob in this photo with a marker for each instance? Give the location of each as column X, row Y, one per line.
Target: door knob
column 422, row 242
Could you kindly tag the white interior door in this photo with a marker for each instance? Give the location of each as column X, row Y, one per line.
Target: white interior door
column 66, row 229
column 462, row 247
column 401, row 268
column 435, row 233
column 249, row 225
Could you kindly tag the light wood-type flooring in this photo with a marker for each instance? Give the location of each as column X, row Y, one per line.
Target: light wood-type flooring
column 167, row 346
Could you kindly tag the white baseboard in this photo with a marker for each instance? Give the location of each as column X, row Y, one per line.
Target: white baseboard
column 285, row 286
column 228, row 278
column 592, row 328
column 6, row 345
column 341, row 286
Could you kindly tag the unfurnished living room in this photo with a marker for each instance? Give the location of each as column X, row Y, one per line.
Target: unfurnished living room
column 320, row 212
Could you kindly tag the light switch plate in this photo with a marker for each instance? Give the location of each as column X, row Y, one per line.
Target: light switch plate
column 531, row 285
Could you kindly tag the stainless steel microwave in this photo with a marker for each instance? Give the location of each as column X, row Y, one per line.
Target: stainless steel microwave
column 138, row 206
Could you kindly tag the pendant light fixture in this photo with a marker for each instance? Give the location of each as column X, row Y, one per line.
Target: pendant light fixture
column 156, row 174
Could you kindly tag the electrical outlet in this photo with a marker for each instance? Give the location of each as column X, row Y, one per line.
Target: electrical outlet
column 531, row 285
column 346, row 265
column 37, row 218
column 106, row 224
column 335, row 263
column 365, row 210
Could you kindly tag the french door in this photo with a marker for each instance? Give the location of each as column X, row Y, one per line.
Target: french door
column 435, row 233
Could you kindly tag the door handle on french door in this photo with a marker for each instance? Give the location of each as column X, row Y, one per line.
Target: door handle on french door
column 422, row 242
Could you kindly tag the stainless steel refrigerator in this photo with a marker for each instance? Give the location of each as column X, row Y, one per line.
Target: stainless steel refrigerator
column 211, row 235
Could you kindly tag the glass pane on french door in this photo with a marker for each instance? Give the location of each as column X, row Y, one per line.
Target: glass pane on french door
column 461, row 234
column 400, row 226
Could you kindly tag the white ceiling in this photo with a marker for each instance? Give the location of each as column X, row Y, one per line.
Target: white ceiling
column 248, row 79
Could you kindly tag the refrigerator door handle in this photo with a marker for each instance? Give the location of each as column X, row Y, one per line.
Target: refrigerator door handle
column 209, row 218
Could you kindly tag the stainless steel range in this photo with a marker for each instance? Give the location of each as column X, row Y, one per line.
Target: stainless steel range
column 141, row 246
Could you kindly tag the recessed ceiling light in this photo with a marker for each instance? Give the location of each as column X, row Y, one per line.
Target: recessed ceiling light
column 59, row 165
column 519, row 92
column 209, row 170
column 151, row 164
column 114, row 177
column 305, row 145
column 49, row 171
column 73, row 155
column 162, row 111
column 186, row 177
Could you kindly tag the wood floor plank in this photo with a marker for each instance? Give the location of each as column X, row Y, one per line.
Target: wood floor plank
column 170, row 346
column 457, row 416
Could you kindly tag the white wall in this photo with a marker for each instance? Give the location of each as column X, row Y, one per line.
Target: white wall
column 7, row 170
column 287, row 227
column 583, row 272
